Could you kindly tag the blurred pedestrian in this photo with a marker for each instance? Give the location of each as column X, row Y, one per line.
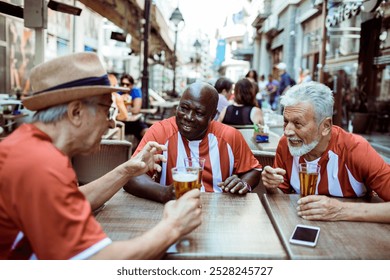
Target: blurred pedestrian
column 224, row 86
column 262, row 95
column 272, row 89
column 306, row 76
column 252, row 75
column 133, row 103
column 285, row 80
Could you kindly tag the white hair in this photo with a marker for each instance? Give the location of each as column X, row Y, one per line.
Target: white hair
column 314, row 93
column 58, row 112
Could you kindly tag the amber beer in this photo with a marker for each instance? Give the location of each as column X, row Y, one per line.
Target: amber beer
column 184, row 180
column 308, row 175
column 199, row 179
column 308, row 183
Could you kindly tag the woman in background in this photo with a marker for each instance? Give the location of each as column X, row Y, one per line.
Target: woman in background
column 244, row 110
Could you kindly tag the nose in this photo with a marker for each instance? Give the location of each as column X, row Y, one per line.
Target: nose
column 288, row 131
column 190, row 115
column 111, row 123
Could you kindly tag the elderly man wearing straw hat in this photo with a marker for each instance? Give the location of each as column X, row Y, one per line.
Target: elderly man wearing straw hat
column 43, row 212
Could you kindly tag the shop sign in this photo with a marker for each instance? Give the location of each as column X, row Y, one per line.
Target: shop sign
column 342, row 13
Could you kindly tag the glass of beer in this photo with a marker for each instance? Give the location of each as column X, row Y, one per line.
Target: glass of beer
column 308, row 175
column 184, row 180
column 196, row 163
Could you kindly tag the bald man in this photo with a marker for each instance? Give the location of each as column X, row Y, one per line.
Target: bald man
column 230, row 165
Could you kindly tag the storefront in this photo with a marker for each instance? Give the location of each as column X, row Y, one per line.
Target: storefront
column 353, row 30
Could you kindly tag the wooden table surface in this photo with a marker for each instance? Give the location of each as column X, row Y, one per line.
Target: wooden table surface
column 233, row 227
column 337, row 240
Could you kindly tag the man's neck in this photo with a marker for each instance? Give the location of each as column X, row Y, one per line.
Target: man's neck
column 59, row 135
column 319, row 150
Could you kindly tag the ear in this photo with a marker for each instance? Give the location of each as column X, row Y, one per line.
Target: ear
column 214, row 114
column 76, row 110
column 327, row 126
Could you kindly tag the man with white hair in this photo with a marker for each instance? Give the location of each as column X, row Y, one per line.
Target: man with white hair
column 349, row 166
column 44, row 214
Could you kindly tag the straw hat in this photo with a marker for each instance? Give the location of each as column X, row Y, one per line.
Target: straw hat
column 68, row 78
column 281, row 66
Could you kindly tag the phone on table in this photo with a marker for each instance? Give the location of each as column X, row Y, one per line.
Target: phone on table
column 305, row 235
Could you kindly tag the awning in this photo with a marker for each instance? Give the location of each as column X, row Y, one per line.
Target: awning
column 128, row 15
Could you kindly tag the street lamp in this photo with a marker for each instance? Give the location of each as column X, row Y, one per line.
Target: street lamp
column 176, row 18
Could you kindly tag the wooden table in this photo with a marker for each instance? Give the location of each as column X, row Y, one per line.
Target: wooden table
column 253, row 145
column 233, row 227
column 337, row 240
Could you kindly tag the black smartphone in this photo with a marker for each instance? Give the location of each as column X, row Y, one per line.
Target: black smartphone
column 305, row 235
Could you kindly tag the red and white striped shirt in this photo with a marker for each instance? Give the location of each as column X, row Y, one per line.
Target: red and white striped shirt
column 223, row 147
column 350, row 167
column 43, row 215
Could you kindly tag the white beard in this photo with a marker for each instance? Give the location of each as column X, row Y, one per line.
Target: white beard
column 304, row 149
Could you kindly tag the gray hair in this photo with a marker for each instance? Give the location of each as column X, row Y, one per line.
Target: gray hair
column 314, row 93
column 58, row 112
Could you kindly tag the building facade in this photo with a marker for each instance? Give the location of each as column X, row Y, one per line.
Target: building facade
column 343, row 44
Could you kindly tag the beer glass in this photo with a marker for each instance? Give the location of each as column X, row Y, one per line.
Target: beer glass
column 184, row 180
column 308, row 175
column 196, row 163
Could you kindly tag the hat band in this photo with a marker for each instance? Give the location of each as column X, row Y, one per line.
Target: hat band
column 92, row 81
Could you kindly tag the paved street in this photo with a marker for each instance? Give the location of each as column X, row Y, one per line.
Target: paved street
column 381, row 143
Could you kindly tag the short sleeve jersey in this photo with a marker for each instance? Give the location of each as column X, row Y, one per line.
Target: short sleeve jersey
column 349, row 167
column 42, row 213
column 135, row 93
column 223, row 147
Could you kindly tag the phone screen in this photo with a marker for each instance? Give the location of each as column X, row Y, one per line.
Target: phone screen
column 305, row 234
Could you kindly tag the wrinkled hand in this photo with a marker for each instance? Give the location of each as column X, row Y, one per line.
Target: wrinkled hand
column 272, row 177
column 233, row 184
column 146, row 160
column 319, row 207
column 184, row 214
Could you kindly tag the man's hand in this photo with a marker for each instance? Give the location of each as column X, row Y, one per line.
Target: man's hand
column 234, row 184
column 272, row 177
column 184, row 214
column 320, row 207
column 167, row 193
column 147, row 159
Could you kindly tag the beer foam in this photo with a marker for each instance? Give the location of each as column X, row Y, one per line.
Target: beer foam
column 185, row 177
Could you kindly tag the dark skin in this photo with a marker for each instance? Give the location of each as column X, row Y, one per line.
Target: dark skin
column 195, row 112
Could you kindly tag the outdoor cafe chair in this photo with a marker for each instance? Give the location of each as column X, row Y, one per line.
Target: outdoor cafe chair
column 111, row 154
